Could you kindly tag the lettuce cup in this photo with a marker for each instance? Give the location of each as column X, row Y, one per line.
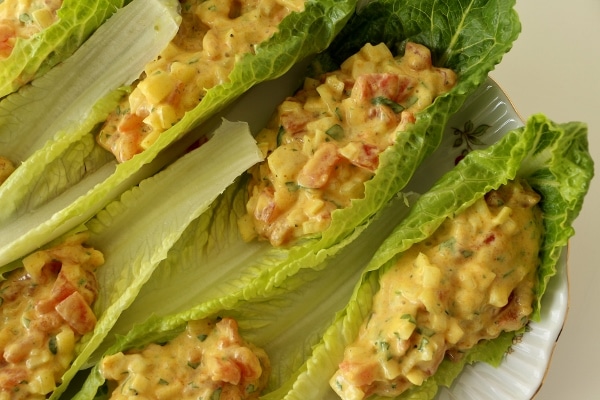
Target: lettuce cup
column 429, row 272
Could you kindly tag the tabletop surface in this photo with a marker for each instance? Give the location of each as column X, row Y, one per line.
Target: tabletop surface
column 554, row 68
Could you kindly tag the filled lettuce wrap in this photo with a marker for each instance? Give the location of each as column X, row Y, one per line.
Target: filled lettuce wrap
column 36, row 35
column 305, row 322
column 553, row 159
column 71, row 292
column 75, row 162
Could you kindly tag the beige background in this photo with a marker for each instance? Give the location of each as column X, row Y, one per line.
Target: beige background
column 554, row 68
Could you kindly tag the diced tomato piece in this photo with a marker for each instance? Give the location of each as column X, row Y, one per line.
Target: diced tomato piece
column 7, row 34
column 77, row 313
column 295, row 122
column 318, row 169
column 70, row 279
column 131, row 123
column 362, row 155
column 390, row 86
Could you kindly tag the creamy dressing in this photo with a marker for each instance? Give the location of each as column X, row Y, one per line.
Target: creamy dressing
column 23, row 19
column 213, row 35
column 7, row 167
column 323, row 144
column 470, row 281
column 45, row 309
column 209, row 360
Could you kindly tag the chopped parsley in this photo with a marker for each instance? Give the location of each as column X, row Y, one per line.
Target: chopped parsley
column 384, row 101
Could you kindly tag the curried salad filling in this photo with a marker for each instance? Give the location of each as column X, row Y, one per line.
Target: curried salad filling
column 45, row 309
column 209, row 360
column 213, row 35
column 23, row 19
column 323, row 144
column 473, row 279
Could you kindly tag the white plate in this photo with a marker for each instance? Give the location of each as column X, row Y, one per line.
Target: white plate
column 522, row 372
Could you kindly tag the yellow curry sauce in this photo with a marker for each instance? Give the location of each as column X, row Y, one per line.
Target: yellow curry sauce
column 324, row 143
column 45, row 309
column 209, row 360
column 213, row 35
column 471, row 280
column 23, row 19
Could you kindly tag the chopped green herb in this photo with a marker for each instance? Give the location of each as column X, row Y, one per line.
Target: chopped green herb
column 161, row 381
column 424, row 331
column 384, row 101
column 466, row 253
column 25, row 18
column 448, row 245
column 383, row 345
column 216, row 394
column 193, row 365
column 52, row 345
column 292, row 186
column 336, row 132
column 202, row 337
column 280, row 134
column 409, row 317
column 424, row 342
column 338, row 114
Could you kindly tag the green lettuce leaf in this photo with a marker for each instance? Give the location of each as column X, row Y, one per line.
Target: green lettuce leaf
column 160, row 201
column 287, row 322
column 86, row 182
column 555, row 161
column 467, row 36
column 33, row 57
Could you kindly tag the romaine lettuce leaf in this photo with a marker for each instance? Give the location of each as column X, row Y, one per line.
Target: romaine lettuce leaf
column 287, row 322
column 87, row 182
column 555, row 161
column 33, row 57
column 159, row 209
